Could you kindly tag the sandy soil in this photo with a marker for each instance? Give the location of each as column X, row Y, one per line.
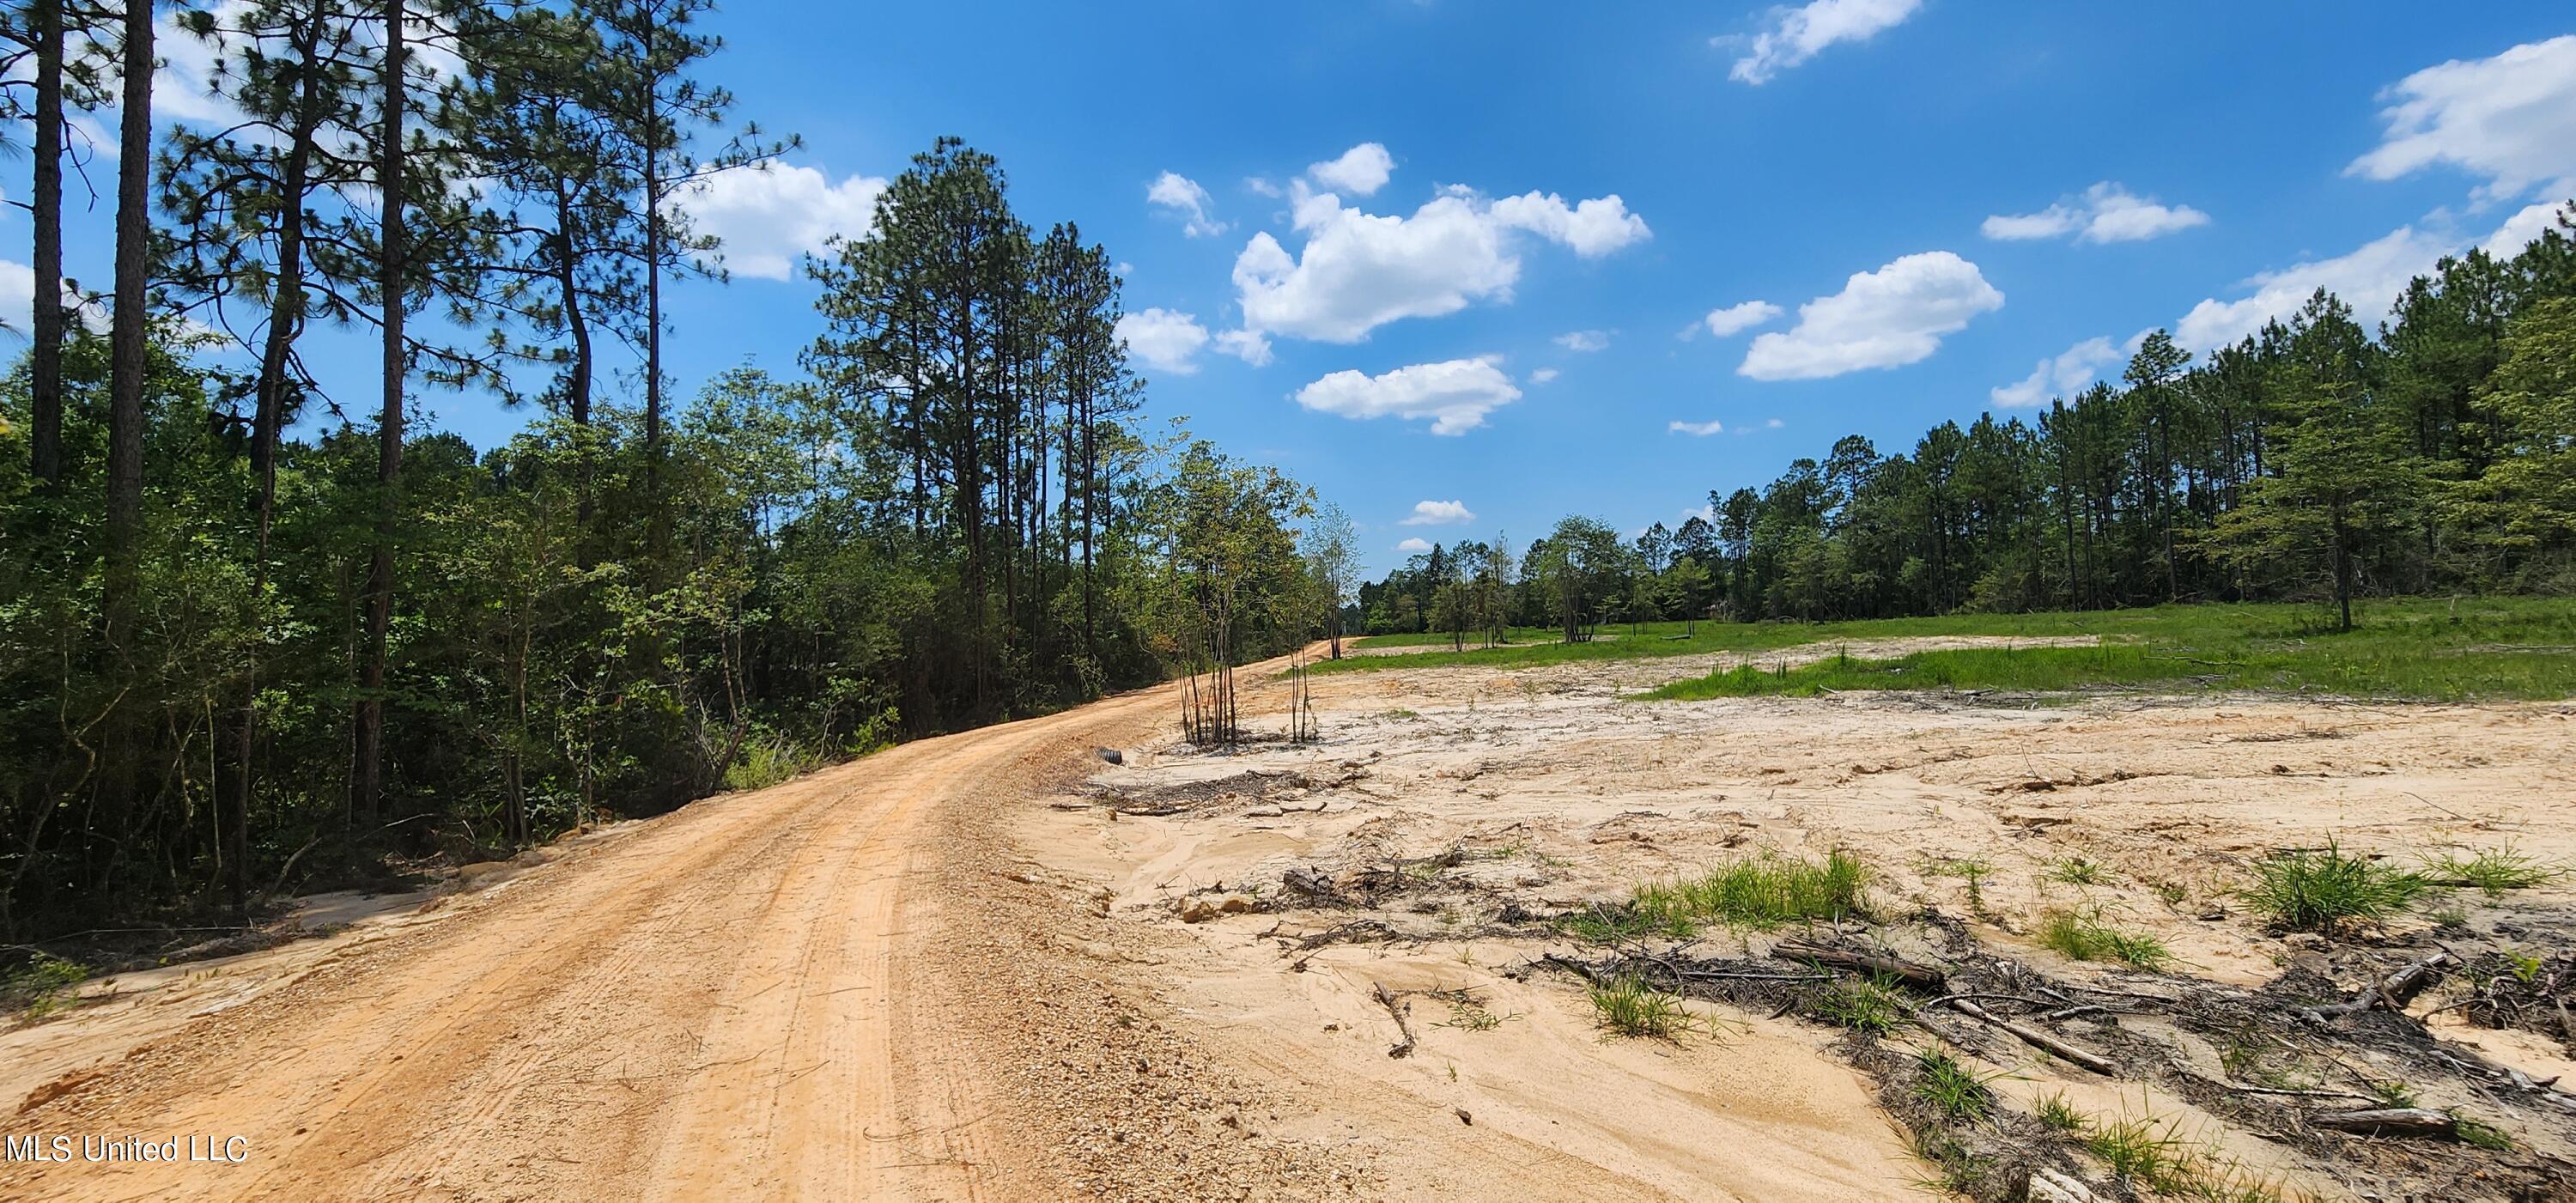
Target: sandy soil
column 952, row 970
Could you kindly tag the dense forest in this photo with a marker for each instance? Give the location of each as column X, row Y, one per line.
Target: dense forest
column 2309, row 462
column 260, row 633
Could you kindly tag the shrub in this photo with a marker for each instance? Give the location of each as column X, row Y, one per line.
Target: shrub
column 42, row 986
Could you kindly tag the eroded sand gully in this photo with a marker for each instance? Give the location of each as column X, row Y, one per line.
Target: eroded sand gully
column 1558, row 793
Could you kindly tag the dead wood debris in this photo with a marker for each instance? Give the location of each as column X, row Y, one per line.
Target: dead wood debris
column 1396, row 1006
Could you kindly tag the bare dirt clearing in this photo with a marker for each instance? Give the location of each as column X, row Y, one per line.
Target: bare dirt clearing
column 988, row 965
column 1450, row 813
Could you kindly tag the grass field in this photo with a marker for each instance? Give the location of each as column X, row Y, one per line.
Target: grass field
column 2418, row 648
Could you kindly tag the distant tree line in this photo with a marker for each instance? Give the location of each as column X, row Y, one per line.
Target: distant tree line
column 255, row 634
column 2309, row 461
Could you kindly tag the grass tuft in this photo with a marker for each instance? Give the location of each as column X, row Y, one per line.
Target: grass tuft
column 1870, row 1007
column 2321, row 890
column 2078, row 871
column 2493, row 870
column 1630, row 1007
column 2058, row 1114
column 1763, row 891
column 1952, row 1088
column 2082, row 935
column 2479, row 1135
column 2140, row 1151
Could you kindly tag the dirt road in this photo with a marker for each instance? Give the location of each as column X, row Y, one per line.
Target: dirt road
column 726, row 1002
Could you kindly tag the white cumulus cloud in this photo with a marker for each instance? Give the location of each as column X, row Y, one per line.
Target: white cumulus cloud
column 1183, row 198
column 1416, row 545
column 2107, row 212
column 1696, row 429
column 1358, row 271
column 1792, row 35
column 2061, row 375
column 1593, row 228
column 1361, row 170
column 2368, row 278
column 1455, row 394
column 1881, row 319
column 1438, row 513
column 1543, row 375
column 1164, row 339
column 769, row 219
column 1736, row 319
column 2510, row 119
column 1247, row 345
column 1584, row 340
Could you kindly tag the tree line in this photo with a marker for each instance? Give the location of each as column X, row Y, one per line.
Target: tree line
column 2308, row 461
column 256, row 634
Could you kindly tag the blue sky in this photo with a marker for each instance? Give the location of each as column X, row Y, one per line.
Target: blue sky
column 1503, row 228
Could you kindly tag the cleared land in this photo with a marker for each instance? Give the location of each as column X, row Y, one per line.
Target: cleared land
column 993, row 966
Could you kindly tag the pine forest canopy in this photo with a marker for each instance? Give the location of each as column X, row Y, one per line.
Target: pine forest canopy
column 2309, row 461
column 254, row 636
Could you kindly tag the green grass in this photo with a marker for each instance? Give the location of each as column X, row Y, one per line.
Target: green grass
column 2079, row 871
column 1475, row 639
column 1657, row 639
column 2082, row 935
column 1630, row 1007
column 2058, row 1114
column 1604, row 923
column 1952, row 1088
column 2493, row 870
column 1870, row 1007
column 2481, row 1135
column 2140, row 1151
column 2321, row 890
column 42, row 986
column 2403, row 648
column 1762, row 891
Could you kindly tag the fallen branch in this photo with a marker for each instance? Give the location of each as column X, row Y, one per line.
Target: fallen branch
column 2285, row 1092
column 1396, row 1007
column 2393, row 1121
column 1920, row 976
column 2393, row 990
column 2038, row 1039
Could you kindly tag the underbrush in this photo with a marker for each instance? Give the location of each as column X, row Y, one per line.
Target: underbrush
column 41, row 987
column 768, row 757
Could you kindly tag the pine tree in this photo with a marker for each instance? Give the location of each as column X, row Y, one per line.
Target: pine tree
column 2346, row 484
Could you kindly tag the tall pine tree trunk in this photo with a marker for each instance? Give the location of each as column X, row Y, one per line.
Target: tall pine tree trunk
column 367, row 792
column 45, row 360
column 127, row 363
column 268, row 419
